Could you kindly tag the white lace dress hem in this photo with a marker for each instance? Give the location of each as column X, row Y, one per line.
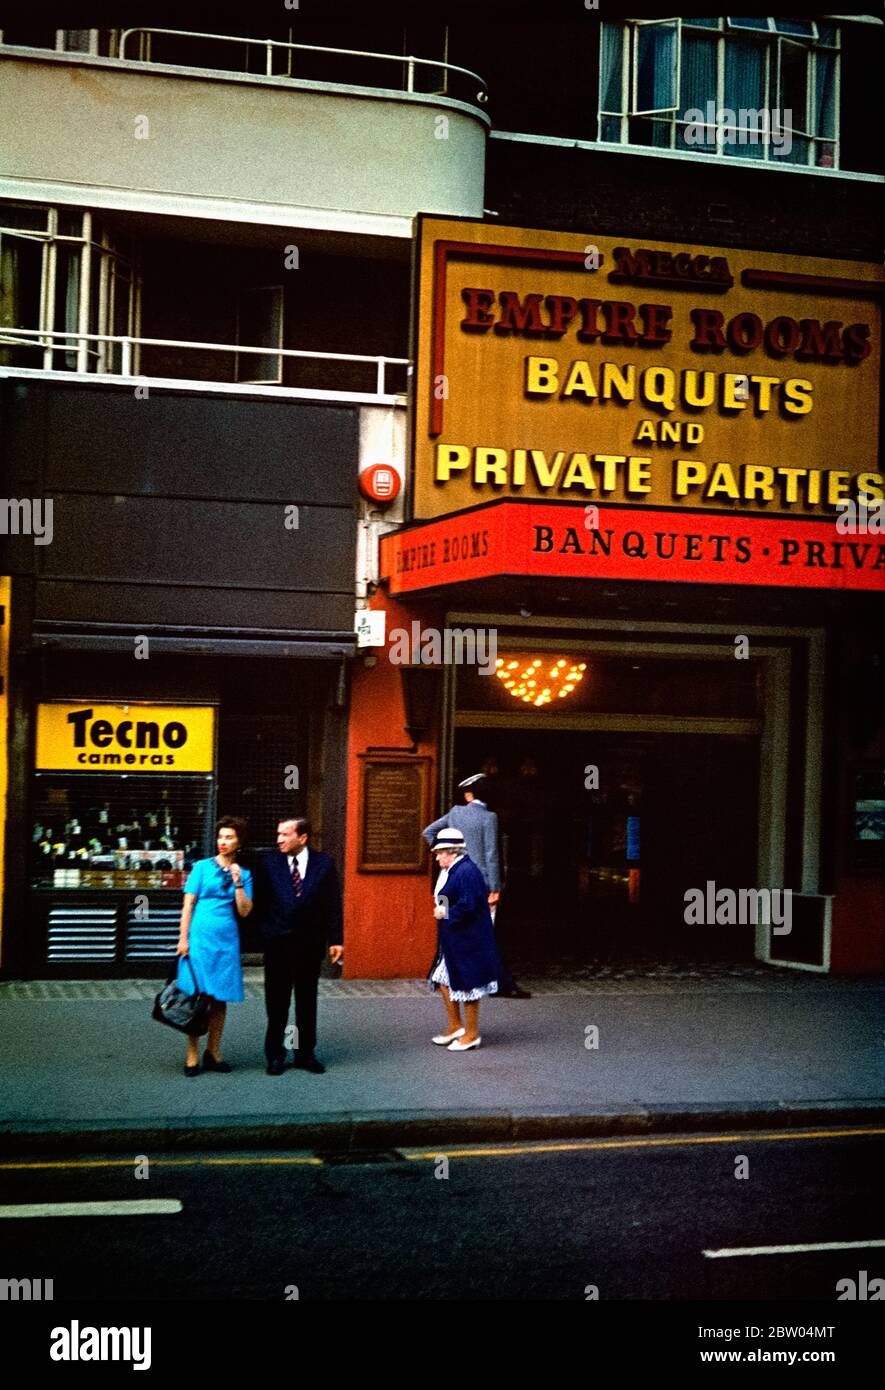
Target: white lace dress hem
column 440, row 976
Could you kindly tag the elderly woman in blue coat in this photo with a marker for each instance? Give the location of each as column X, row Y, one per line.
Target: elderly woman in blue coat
column 466, row 965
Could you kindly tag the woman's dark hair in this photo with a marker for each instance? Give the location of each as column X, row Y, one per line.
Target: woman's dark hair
column 232, row 823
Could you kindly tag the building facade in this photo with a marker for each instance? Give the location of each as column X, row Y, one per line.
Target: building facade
column 570, row 377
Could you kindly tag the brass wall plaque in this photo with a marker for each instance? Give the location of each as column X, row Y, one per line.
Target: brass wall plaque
column 393, row 812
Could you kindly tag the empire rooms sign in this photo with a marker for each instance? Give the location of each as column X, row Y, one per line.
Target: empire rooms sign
column 566, row 367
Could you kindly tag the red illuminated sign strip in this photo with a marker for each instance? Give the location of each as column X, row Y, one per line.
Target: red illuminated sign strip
column 544, row 539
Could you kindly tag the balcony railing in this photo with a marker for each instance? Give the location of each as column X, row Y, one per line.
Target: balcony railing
column 98, row 360
column 440, row 73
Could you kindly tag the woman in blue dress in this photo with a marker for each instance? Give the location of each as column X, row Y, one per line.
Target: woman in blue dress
column 217, row 892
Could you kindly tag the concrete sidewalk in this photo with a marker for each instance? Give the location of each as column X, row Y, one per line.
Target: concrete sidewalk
column 749, row 1049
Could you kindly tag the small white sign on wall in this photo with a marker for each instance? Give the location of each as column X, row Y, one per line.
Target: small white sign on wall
column 370, row 626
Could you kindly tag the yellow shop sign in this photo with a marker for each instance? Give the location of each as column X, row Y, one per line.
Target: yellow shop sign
column 126, row 737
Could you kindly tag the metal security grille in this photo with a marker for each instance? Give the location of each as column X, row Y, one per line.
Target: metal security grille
column 152, row 935
column 110, row 857
column 263, row 771
column 99, row 831
column 82, row 933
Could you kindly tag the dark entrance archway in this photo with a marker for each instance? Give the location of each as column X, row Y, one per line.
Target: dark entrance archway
column 597, row 866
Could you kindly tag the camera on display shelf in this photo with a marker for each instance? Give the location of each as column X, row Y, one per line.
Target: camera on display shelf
column 99, row 847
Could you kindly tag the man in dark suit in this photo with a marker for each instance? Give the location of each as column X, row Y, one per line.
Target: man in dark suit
column 299, row 902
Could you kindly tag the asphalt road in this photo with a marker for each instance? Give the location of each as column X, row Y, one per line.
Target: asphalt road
column 632, row 1217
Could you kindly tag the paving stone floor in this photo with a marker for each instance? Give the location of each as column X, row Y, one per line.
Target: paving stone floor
column 591, row 980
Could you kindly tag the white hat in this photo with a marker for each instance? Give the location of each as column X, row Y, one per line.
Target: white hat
column 469, row 781
column 449, row 839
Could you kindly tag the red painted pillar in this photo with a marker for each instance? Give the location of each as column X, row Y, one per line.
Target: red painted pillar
column 389, row 927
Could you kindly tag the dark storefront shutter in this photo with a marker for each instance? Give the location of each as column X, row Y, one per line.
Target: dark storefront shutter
column 255, row 754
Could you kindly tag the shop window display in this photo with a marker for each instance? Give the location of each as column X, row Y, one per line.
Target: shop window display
column 117, row 832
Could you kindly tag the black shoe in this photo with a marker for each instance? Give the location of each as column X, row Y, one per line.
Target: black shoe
column 192, row 1071
column 515, row 993
column 309, row 1063
column 276, row 1067
column 211, row 1063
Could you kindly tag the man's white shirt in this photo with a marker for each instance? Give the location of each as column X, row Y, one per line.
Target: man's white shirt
column 301, row 860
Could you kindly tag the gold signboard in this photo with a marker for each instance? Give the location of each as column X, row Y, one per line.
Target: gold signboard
column 570, row 367
column 92, row 737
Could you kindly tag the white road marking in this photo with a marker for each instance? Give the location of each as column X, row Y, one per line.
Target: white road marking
column 793, row 1249
column 157, row 1206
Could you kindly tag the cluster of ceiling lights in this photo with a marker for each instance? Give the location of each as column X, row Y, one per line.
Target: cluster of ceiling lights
column 537, row 680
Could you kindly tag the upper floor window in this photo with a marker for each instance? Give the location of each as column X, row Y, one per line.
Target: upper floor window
column 66, row 286
column 60, row 40
column 762, row 88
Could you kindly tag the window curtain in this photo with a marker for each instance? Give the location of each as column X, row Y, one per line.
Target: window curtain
column 824, row 107
column 77, row 40
column 611, row 96
column 793, row 97
column 825, row 96
column 21, row 262
column 744, row 90
column 67, row 302
column 656, row 67
column 9, row 285
column 9, row 296
column 698, row 82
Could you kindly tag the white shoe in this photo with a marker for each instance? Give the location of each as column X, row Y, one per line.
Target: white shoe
column 443, row 1039
column 463, row 1047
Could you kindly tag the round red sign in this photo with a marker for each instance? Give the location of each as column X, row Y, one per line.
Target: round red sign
column 380, row 483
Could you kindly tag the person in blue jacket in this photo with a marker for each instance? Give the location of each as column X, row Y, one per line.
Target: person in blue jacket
column 479, row 826
column 466, row 967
